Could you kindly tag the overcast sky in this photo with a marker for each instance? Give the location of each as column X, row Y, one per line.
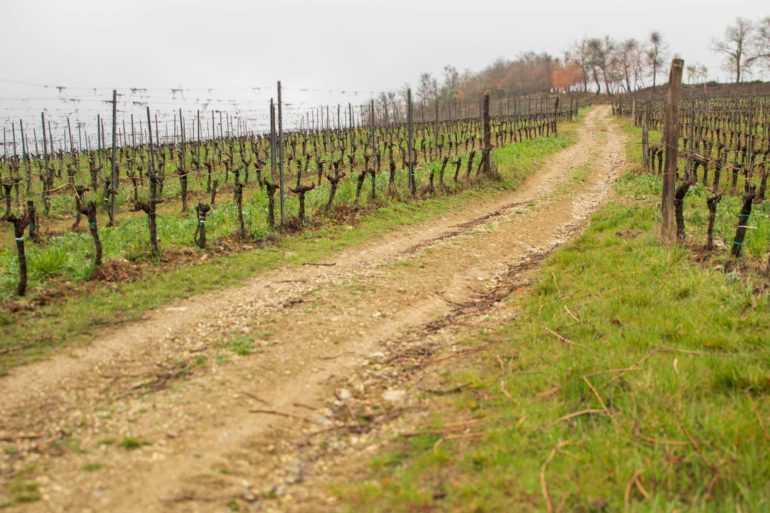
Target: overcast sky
column 350, row 45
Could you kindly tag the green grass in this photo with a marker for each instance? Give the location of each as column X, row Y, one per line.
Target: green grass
column 688, row 415
column 24, row 491
column 242, row 346
column 92, row 466
column 77, row 320
column 20, row 489
column 130, row 443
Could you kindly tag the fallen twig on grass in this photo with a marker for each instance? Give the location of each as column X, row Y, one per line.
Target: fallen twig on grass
column 457, row 353
column 566, row 309
column 694, row 443
column 555, row 283
column 601, row 401
column 634, row 481
column 589, row 411
column 15, row 347
column 444, row 434
column 637, row 365
column 711, row 484
column 665, row 349
column 445, row 429
column 547, row 393
column 622, row 370
column 448, row 391
column 504, row 391
column 564, row 339
column 543, row 468
column 641, row 488
column 502, row 378
column 463, row 436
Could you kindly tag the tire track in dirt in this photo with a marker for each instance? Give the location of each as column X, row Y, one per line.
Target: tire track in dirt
column 216, row 429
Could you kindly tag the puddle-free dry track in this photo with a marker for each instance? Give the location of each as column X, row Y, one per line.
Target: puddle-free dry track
column 164, row 415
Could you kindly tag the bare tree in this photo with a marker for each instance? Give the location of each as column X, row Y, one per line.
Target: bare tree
column 760, row 43
column 697, row 73
column 627, row 60
column 639, row 70
column 736, row 47
column 580, row 56
column 451, row 83
column 600, row 53
column 392, row 99
column 692, row 72
column 427, row 88
column 703, row 74
column 656, row 54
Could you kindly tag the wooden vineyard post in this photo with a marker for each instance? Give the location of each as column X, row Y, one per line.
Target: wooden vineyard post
column 50, row 140
column 272, row 142
column 133, row 135
column 645, row 140
column 280, row 155
column 555, row 122
column 691, row 147
column 435, row 125
column 487, row 136
column 113, row 173
column 339, row 128
column 671, row 138
column 182, row 164
column 47, row 171
column 25, row 157
column 69, row 131
column 373, row 143
column 410, row 143
column 198, row 115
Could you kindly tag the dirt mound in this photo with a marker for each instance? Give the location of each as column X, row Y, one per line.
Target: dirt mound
column 117, row 271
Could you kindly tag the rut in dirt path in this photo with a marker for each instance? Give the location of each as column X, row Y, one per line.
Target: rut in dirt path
column 160, row 400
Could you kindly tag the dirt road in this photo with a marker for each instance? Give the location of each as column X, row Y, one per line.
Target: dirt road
column 238, row 395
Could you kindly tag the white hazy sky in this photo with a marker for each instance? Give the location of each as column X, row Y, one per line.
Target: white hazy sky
column 365, row 45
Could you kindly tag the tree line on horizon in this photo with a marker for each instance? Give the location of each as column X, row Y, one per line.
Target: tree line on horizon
column 601, row 65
